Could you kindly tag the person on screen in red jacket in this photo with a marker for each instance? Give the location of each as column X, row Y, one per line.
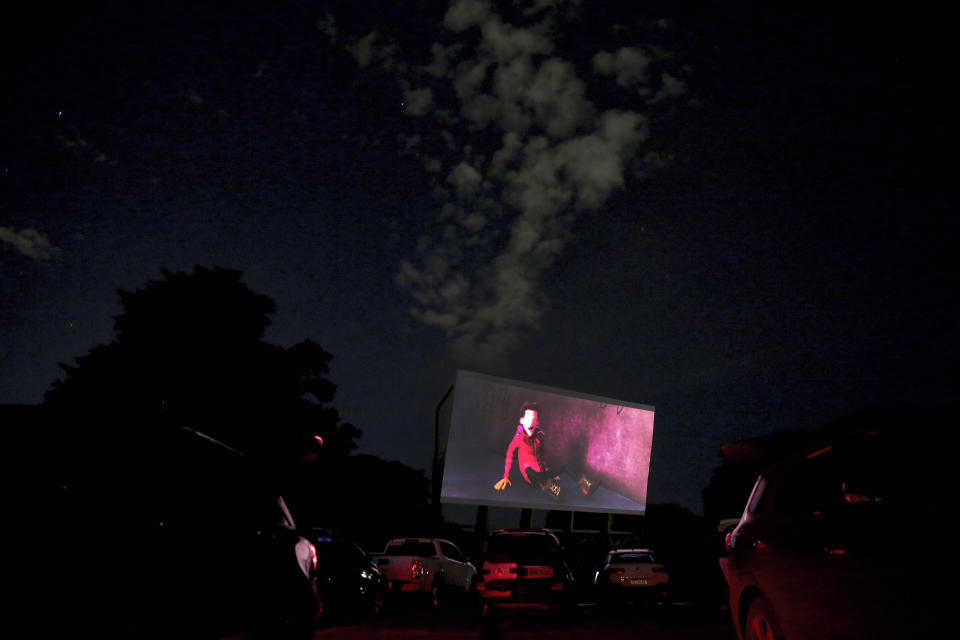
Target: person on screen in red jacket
column 528, row 446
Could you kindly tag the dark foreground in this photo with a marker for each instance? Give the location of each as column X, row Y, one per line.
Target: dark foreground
column 652, row 622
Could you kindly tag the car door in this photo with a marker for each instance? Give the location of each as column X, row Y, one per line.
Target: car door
column 459, row 571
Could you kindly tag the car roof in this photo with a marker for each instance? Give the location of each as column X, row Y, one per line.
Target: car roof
column 519, row 531
column 403, row 540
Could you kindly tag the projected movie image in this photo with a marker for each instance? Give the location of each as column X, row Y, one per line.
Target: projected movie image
column 522, row 445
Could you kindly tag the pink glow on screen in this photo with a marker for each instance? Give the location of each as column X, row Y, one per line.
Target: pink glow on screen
column 617, row 455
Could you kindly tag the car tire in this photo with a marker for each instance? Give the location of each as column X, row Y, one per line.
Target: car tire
column 376, row 605
column 491, row 623
column 761, row 622
column 436, row 595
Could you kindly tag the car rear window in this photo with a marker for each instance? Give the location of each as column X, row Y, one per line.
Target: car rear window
column 632, row 557
column 410, row 549
column 523, row 548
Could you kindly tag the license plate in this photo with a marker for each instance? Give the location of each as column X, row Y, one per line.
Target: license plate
column 638, row 582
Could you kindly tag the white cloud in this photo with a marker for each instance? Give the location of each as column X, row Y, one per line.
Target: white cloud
column 481, row 110
column 447, row 321
column 417, row 102
column 327, row 25
column 469, row 78
column 595, row 163
column 629, row 65
column 29, row 242
column 464, row 14
column 465, row 178
column 440, row 62
column 432, row 164
column 518, row 148
column 507, row 42
column 536, row 6
column 670, row 87
column 537, row 186
column 506, row 155
column 474, row 222
column 369, row 48
column 556, row 96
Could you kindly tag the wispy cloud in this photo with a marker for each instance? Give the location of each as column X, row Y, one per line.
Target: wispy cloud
column 29, row 242
column 526, row 148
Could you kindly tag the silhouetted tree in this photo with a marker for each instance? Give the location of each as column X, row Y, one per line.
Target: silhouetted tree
column 369, row 498
column 189, row 351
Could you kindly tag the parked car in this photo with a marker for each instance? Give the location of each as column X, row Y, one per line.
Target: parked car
column 846, row 538
column 525, row 570
column 430, row 566
column 182, row 538
column 633, row 574
column 349, row 580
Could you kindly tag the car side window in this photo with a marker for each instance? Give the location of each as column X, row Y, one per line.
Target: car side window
column 867, row 477
column 451, row 551
column 806, row 487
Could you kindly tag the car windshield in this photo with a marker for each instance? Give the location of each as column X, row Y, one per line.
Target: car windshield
column 523, row 548
column 410, row 549
column 631, row 557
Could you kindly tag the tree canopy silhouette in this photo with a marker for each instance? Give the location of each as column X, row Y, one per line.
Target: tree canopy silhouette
column 189, row 352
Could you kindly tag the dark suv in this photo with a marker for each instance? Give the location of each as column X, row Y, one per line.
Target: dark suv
column 180, row 536
column 349, row 580
column 847, row 537
column 524, row 570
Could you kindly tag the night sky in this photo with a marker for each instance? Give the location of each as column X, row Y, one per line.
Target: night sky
column 733, row 212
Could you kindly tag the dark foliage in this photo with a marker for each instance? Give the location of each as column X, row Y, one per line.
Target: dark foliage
column 189, row 352
column 366, row 497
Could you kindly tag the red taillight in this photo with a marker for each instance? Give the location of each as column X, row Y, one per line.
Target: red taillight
column 616, row 575
column 499, row 570
column 728, row 541
column 416, row 569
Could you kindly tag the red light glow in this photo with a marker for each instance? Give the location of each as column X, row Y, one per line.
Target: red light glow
column 539, row 572
column 818, row 452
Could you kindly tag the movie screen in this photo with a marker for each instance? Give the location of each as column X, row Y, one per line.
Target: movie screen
column 522, row 445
